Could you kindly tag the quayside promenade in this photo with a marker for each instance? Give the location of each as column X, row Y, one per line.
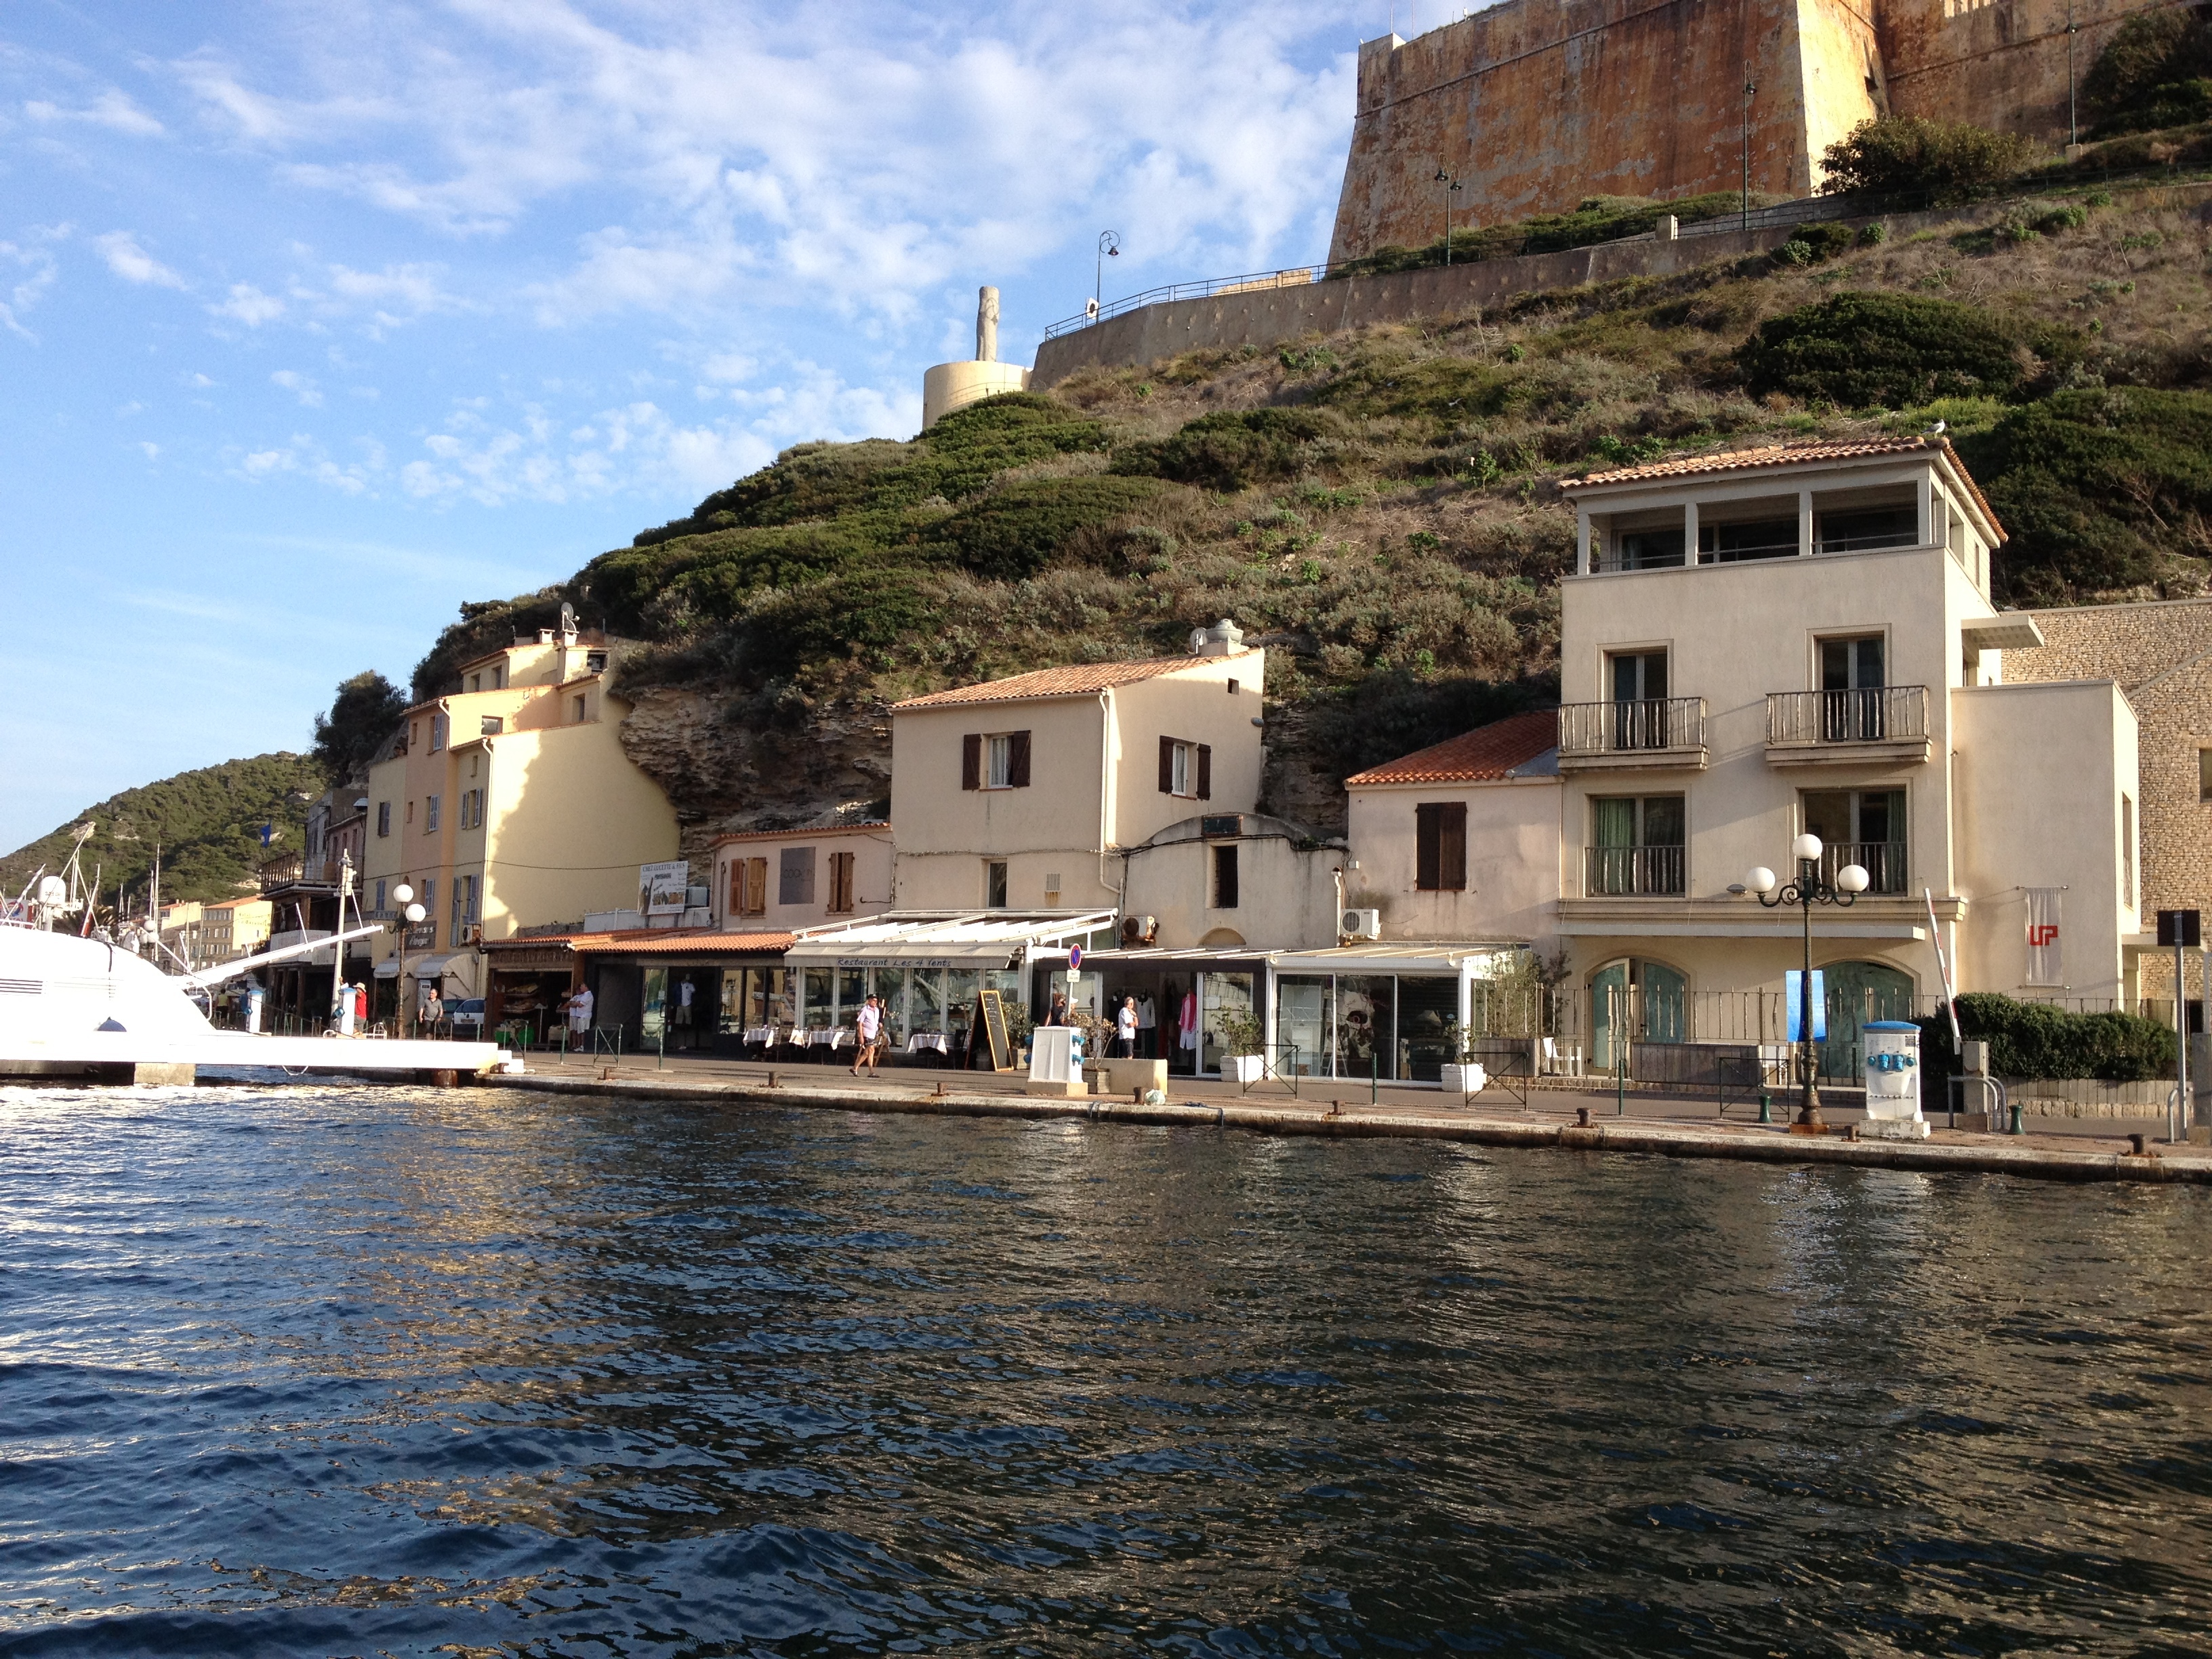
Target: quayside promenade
column 2057, row 1149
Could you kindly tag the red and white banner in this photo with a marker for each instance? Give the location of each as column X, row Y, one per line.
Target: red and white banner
column 2043, row 938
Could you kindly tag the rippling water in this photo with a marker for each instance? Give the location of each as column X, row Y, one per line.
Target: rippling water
column 330, row 1371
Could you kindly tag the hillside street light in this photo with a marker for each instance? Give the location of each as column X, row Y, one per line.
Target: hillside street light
column 1110, row 248
column 410, row 913
column 1448, row 185
column 1810, row 887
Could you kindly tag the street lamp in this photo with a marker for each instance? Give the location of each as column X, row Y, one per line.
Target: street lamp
column 1110, row 248
column 1447, row 184
column 409, row 913
column 1808, row 888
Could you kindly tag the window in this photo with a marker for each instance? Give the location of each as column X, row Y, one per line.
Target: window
column 1648, row 549
column 757, row 887
column 2127, row 854
column 1235, row 686
column 437, row 732
column 1000, row 760
column 1638, row 683
column 1636, row 846
column 841, row 883
column 499, row 677
column 1185, row 768
column 1753, row 538
column 795, row 875
column 430, row 896
column 411, row 809
column 379, row 898
column 430, row 815
column 1865, row 827
column 576, row 708
column 1852, row 707
column 476, row 682
column 383, row 817
column 491, row 726
column 1052, row 887
column 595, row 662
column 472, row 808
column 994, row 884
column 1867, row 529
column 1440, row 847
column 2204, row 775
column 1224, row 878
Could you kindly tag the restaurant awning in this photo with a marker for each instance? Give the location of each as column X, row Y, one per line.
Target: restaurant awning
column 973, row 939
column 1439, row 958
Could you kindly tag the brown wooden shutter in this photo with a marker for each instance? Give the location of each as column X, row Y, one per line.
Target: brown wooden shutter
column 1167, row 766
column 1451, row 850
column 1428, row 847
column 757, row 887
column 1017, row 760
column 737, row 900
column 1206, row 771
column 971, row 760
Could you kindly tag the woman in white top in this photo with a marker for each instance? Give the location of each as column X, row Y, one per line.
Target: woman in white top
column 1124, row 1030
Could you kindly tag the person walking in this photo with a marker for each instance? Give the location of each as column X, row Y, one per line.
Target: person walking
column 869, row 1025
column 1124, row 1030
column 360, row 1007
column 432, row 1010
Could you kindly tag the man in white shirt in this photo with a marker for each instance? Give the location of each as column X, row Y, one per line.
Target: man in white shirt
column 1124, row 1030
column 580, row 1013
column 870, row 1026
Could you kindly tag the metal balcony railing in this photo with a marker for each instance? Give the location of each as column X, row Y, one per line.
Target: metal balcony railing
column 1640, row 871
column 1625, row 727
column 1882, row 861
column 1881, row 714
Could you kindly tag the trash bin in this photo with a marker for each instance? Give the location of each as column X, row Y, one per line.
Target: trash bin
column 1891, row 1048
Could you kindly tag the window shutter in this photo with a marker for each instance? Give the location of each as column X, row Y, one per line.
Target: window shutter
column 971, row 760
column 1167, row 766
column 1451, row 850
column 1206, row 771
column 757, row 887
column 1017, row 760
column 737, row 900
column 1428, row 847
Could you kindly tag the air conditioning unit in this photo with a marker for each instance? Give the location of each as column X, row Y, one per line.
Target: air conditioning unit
column 1139, row 930
column 1360, row 923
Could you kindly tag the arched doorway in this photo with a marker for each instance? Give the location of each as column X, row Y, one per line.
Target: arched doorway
column 1652, row 998
column 1856, row 992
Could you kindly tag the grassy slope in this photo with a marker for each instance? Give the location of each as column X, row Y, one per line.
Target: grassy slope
column 207, row 823
column 1394, row 532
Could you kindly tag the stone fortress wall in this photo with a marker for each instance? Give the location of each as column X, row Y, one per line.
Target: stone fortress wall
column 1535, row 105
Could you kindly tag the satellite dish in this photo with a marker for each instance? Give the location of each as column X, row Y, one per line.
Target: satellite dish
column 53, row 891
column 568, row 617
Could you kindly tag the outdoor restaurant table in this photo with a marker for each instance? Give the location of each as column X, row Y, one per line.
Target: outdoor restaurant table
column 763, row 1035
column 936, row 1040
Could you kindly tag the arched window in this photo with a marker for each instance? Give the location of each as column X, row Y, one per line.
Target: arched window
column 1650, row 998
column 1855, row 994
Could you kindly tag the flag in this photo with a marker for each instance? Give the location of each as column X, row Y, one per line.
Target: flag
column 1793, row 984
column 2044, row 940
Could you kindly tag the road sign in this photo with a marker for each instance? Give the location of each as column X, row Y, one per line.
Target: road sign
column 2181, row 927
column 1075, row 956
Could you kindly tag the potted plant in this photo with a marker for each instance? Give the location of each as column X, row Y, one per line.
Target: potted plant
column 1243, row 1037
column 1461, row 1075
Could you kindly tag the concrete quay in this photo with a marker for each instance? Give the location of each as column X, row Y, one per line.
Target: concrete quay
column 1664, row 1126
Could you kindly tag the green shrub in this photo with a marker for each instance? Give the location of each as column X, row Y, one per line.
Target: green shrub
column 2095, row 485
column 2149, row 53
column 1014, row 532
column 1810, row 243
column 1596, row 219
column 1234, row 450
column 1886, row 351
column 2030, row 1040
column 860, row 615
column 1942, row 162
column 1875, row 235
column 1394, row 711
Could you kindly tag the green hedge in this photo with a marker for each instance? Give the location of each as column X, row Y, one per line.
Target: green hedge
column 1016, row 532
column 1894, row 350
column 1234, row 450
column 2030, row 1041
column 1595, row 219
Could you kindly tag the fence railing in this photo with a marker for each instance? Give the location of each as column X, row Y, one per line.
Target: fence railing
column 1633, row 872
column 1648, row 725
column 1882, row 861
column 1879, row 714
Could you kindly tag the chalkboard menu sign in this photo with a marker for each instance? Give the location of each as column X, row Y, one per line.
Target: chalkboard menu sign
column 992, row 1007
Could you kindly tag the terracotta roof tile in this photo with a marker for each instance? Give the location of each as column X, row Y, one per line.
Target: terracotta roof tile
column 1733, row 460
column 1073, row 681
column 1485, row 754
column 868, row 826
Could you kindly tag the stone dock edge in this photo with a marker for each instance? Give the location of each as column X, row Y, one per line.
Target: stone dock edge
column 1659, row 1139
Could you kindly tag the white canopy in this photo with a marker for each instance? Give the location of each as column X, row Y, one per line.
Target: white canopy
column 980, row 939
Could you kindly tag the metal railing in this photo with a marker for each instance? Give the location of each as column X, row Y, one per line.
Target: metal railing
column 1636, row 872
column 1882, row 861
column 1881, row 714
column 1627, row 726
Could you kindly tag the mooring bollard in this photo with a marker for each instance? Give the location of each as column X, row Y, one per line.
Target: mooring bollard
column 2139, row 1146
column 1582, row 1117
column 2018, row 1128
column 771, row 1080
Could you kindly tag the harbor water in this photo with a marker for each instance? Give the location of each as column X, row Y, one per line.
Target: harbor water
column 293, row 1369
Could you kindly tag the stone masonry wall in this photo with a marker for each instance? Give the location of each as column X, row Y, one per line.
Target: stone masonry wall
column 2161, row 655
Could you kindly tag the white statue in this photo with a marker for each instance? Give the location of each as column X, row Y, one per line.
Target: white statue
column 986, row 325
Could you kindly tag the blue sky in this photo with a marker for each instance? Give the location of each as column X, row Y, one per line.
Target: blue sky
column 318, row 318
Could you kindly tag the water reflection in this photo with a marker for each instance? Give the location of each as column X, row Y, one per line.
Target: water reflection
column 293, row 1371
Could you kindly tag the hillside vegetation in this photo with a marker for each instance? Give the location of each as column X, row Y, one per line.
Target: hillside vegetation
column 1381, row 509
column 207, row 823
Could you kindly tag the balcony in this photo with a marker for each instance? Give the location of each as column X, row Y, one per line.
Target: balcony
column 1882, row 861
column 1884, row 723
column 1640, row 734
column 1634, row 872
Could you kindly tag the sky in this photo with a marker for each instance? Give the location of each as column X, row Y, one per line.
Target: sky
column 318, row 318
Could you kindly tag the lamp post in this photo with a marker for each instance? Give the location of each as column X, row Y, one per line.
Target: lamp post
column 1110, row 248
column 410, row 913
column 1447, row 184
column 1808, row 888
column 1750, row 89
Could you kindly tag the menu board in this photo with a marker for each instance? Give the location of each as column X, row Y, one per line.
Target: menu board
column 993, row 1009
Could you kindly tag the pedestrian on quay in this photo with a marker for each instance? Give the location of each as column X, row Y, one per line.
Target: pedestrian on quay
column 432, row 1010
column 1057, row 1014
column 578, row 1005
column 1125, row 1030
column 869, row 1025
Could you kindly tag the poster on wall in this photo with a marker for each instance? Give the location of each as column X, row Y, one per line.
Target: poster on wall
column 662, row 888
column 2044, row 966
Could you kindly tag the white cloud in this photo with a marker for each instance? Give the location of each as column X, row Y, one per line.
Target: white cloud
column 249, row 305
column 153, row 451
column 299, row 385
column 132, row 262
column 112, row 109
column 36, row 271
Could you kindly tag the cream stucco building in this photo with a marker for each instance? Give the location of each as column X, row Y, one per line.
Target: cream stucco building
column 508, row 804
column 1754, row 644
column 786, row 879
